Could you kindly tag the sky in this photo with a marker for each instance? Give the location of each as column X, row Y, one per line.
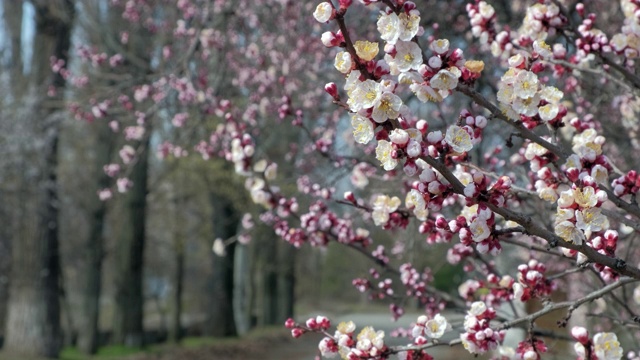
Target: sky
column 28, row 31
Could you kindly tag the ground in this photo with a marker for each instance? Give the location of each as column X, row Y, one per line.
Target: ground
column 278, row 344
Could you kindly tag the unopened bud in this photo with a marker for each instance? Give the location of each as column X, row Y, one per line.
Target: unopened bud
column 441, row 223
column 422, row 125
column 290, row 323
column 344, row 4
column 580, row 334
column 332, row 89
column 348, row 195
column 297, row 332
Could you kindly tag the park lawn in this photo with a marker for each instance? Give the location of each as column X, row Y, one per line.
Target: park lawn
column 186, row 346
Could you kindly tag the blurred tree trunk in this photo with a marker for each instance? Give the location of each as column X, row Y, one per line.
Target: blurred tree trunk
column 175, row 327
column 94, row 246
column 12, row 17
column 220, row 320
column 33, row 324
column 7, row 207
column 128, row 320
column 242, row 289
column 275, row 278
column 269, row 304
column 286, row 281
column 265, row 260
column 175, row 330
column 128, row 317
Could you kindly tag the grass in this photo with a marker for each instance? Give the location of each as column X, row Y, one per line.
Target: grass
column 115, row 352
column 104, row 353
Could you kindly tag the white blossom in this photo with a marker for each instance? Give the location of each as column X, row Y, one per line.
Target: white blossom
column 459, row 139
column 323, row 12
column 362, row 129
column 383, row 153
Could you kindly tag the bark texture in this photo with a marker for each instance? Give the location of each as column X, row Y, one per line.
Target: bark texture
column 33, row 323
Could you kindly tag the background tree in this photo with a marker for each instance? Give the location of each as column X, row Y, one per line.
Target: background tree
column 33, row 324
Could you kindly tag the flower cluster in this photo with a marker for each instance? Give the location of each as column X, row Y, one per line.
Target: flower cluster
column 494, row 292
column 369, row 344
column 523, row 97
column 475, row 226
column 384, row 210
column 532, row 282
column 479, row 187
column 591, row 39
column 429, row 328
column 416, row 284
column 627, row 42
column 442, row 72
column 541, row 21
column 401, row 143
column 435, row 235
column 587, row 159
column 603, row 346
column 579, row 213
column 318, row 323
column 376, row 75
column 482, row 17
column 605, row 244
column 399, row 27
column 530, row 349
column 627, row 184
column 318, row 226
column 479, row 337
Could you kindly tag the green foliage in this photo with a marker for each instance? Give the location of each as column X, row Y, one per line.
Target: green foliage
column 448, row 277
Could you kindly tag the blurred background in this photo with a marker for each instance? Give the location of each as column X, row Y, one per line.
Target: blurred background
column 100, row 96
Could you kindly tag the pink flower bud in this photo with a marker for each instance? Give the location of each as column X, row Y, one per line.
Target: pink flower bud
column 456, row 55
column 399, row 137
column 420, row 340
column 311, row 323
column 290, row 323
column 323, row 322
column 410, row 168
column 332, row 89
column 297, row 332
column 329, row 39
column 580, row 334
column 481, row 121
column 344, row 4
column 441, row 223
column 573, row 174
column 408, row 6
column 422, row 125
column 537, row 67
column 348, row 195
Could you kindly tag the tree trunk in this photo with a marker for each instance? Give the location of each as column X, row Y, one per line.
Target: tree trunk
column 88, row 340
column 220, row 320
column 128, row 317
column 242, row 289
column 175, row 329
column 33, row 324
column 286, row 281
column 270, row 299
